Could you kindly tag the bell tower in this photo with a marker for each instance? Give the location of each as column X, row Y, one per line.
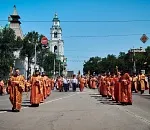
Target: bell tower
column 56, row 31
column 56, row 43
column 15, row 23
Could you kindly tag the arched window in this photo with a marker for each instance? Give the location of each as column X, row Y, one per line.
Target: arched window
column 55, row 49
column 55, row 34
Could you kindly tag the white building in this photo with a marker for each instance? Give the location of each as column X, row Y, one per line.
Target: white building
column 56, row 44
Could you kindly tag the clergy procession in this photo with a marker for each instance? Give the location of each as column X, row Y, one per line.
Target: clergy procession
column 118, row 87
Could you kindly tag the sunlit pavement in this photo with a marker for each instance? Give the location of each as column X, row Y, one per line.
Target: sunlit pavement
column 77, row 111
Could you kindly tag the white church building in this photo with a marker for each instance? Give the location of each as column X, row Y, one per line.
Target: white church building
column 56, row 44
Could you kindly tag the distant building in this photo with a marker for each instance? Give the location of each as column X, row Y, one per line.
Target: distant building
column 22, row 64
column 15, row 23
column 137, row 50
column 70, row 74
column 56, row 43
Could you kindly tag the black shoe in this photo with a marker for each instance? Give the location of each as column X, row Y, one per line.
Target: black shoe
column 17, row 110
column 32, row 105
column 37, row 105
column 13, row 109
column 129, row 103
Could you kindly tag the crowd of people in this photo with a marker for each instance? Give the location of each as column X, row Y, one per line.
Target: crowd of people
column 39, row 86
column 117, row 87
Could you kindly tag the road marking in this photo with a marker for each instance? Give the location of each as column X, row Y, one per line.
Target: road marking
column 135, row 115
column 2, row 112
column 70, row 95
column 59, row 98
column 49, row 101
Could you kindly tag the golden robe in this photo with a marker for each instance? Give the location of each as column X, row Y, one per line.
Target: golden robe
column 16, row 88
column 35, row 96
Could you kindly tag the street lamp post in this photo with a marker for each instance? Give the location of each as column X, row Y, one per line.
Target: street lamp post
column 54, row 65
column 134, row 62
column 35, row 55
column 59, row 68
column 59, row 56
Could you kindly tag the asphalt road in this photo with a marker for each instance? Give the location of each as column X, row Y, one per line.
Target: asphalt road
column 77, row 111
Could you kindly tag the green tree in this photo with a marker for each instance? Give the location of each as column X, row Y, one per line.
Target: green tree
column 124, row 62
column 92, row 65
column 48, row 63
column 8, row 44
column 147, row 60
column 28, row 50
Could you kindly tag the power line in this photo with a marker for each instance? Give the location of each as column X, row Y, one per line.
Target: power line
column 100, row 50
column 117, row 35
column 95, row 21
column 86, row 21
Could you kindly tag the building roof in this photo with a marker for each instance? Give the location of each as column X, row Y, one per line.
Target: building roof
column 15, row 14
column 56, row 18
column 15, row 11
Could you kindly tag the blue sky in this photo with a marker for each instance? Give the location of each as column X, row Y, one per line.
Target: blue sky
column 78, row 49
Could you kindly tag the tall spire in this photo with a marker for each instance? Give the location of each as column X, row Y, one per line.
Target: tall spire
column 15, row 10
column 56, row 16
column 56, row 19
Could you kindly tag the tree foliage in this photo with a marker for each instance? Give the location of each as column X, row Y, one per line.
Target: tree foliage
column 28, row 49
column 124, row 62
column 29, row 42
column 46, row 60
column 8, row 44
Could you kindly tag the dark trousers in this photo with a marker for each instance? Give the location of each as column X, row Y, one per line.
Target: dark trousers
column 65, row 87
column 74, row 86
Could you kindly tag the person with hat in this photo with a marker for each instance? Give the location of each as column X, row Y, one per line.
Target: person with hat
column 43, row 87
column 45, row 84
column 126, row 94
column 35, row 96
column 17, row 85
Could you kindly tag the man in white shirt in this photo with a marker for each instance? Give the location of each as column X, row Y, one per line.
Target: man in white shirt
column 74, row 83
column 65, row 84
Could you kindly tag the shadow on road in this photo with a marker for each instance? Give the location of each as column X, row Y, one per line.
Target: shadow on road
column 5, row 110
column 104, row 100
column 146, row 96
column 25, row 105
